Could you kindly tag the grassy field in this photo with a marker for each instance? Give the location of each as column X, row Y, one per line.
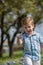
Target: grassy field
column 16, row 56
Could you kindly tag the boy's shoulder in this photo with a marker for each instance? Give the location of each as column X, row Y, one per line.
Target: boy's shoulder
column 37, row 34
column 23, row 34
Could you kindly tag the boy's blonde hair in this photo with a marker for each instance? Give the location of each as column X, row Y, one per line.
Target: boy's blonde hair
column 27, row 20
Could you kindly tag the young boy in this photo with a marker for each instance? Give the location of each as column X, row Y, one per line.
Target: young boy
column 31, row 42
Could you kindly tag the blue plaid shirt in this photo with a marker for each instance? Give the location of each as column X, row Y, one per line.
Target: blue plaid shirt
column 32, row 45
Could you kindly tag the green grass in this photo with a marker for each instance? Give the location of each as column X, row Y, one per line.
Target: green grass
column 5, row 58
column 16, row 56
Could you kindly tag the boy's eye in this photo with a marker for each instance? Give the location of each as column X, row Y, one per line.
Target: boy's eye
column 25, row 27
column 28, row 26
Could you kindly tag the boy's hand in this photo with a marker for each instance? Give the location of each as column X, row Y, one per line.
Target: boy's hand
column 19, row 36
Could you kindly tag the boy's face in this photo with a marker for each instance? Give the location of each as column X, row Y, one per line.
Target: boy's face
column 28, row 28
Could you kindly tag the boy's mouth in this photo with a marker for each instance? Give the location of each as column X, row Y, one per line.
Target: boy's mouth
column 29, row 31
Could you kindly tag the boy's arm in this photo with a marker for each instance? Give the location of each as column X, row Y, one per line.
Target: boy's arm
column 19, row 41
column 41, row 41
column 42, row 48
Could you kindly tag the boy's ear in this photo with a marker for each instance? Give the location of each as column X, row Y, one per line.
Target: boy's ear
column 33, row 26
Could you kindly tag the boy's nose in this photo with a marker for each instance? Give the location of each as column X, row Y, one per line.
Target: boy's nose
column 28, row 28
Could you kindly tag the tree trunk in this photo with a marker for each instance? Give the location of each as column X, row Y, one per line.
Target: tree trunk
column 10, row 49
column 10, row 43
column 2, row 31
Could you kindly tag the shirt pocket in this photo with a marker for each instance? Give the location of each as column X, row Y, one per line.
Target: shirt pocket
column 27, row 44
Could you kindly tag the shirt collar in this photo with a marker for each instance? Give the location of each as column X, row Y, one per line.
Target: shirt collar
column 26, row 34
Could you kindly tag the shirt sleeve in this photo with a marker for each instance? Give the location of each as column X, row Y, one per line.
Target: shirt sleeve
column 41, row 39
column 22, row 39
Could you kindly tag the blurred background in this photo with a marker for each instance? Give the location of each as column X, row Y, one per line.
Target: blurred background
column 11, row 13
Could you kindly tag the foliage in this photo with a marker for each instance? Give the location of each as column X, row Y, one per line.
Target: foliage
column 20, row 8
